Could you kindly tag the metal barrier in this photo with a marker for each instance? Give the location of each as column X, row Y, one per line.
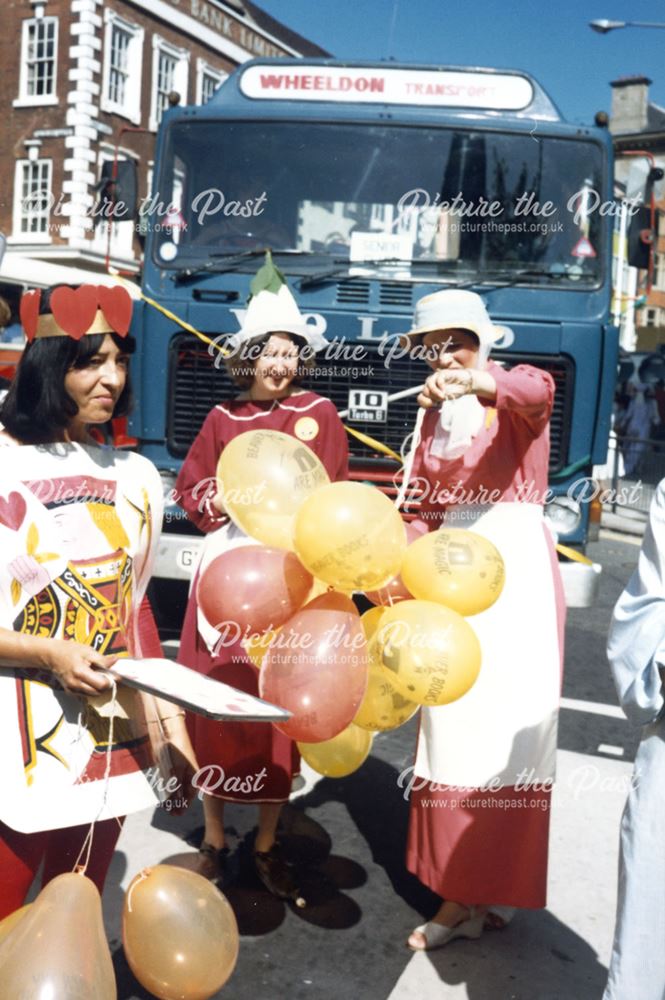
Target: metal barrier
column 637, row 465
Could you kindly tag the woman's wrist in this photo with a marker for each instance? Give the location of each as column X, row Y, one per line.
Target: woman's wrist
column 482, row 384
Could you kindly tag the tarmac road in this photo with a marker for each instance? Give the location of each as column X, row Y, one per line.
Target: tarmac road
column 350, row 941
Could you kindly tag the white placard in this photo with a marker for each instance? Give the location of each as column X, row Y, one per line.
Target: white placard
column 195, row 691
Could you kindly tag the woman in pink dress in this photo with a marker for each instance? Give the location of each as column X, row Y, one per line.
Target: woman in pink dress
column 259, row 760
column 481, row 785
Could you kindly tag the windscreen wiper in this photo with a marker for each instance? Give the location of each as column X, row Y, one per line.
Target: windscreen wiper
column 218, row 263
column 506, row 279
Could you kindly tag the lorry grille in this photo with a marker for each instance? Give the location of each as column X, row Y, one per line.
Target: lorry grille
column 196, row 385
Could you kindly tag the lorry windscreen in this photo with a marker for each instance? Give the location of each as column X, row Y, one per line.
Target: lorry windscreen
column 452, row 201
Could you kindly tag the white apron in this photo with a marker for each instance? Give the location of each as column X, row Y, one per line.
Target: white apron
column 505, row 727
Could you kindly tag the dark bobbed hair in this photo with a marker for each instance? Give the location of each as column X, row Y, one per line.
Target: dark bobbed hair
column 37, row 409
column 240, row 364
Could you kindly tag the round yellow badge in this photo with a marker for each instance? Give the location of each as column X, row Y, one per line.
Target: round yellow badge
column 306, row 429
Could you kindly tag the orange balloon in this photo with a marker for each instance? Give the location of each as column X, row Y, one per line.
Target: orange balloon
column 432, row 653
column 58, row 948
column 316, row 668
column 179, row 934
column 454, row 567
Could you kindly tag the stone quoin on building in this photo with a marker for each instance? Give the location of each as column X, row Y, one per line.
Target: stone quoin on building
column 73, row 74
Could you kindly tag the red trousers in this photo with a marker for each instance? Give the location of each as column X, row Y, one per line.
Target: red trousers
column 21, row 854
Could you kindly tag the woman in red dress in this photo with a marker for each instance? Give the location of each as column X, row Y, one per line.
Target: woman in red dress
column 257, row 762
column 481, row 783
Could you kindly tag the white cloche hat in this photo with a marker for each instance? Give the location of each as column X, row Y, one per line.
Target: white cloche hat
column 273, row 309
column 454, row 309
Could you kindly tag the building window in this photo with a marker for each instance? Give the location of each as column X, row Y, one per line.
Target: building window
column 39, row 51
column 659, row 272
column 32, row 200
column 652, row 317
column 169, row 73
column 109, row 234
column 123, row 59
column 208, row 80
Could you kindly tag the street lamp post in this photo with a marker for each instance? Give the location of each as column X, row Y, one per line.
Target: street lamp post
column 603, row 26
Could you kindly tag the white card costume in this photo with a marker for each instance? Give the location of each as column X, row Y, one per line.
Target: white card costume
column 78, row 530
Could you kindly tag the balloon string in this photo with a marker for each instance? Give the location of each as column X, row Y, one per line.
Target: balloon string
column 143, row 874
column 408, row 465
column 86, row 846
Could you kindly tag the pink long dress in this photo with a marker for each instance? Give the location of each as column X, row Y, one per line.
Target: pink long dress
column 481, row 785
column 246, row 750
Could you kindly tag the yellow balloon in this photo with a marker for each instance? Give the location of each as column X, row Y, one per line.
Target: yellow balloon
column 256, row 646
column 454, row 567
column 432, row 653
column 383, row 707
column 350, row 535
column 8, row 924
column 263, row 477
column 341, row 755
column 370, row 621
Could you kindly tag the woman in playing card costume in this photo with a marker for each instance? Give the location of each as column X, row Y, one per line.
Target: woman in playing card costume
column 479, row 821
column 78, row 528
column 265, row 362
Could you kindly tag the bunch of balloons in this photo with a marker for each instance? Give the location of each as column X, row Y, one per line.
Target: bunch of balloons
column 288, row 599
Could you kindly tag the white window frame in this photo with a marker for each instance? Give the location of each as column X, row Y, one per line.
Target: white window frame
column 18, row 235
column 659, row 271
column 25, row 100
column 131, row 109
column 204, row 69
column 180, row 78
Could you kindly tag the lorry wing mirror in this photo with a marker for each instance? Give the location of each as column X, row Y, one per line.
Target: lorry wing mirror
column 640, row 238
column 641, row 231
column 118, row 188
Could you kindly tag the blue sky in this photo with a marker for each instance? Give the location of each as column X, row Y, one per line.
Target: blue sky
column 548, row 38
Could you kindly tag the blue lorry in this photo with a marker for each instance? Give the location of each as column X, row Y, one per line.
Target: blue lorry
column 374, row 185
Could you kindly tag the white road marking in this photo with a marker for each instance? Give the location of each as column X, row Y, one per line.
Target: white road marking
column 593, row 708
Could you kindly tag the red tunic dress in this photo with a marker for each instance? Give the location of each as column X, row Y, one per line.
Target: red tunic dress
column 466, row 842
column 257, row 761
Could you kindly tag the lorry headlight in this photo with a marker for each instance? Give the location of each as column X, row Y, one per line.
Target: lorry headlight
column 564, row 514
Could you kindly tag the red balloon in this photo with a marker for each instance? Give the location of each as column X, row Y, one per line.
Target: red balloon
column 395, row 591
column 253, row 588
column 316, row 668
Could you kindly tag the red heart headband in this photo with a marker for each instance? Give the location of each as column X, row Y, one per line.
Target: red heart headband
column 76, row 312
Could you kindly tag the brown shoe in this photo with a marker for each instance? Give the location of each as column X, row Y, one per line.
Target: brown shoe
column 212, row 861
column 278, row 875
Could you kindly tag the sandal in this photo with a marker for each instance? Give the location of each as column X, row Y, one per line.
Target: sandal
column 437, row 935
column 278, row 874
column 497, row 918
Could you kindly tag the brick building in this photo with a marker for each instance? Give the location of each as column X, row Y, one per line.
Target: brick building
column 636, row 124
column 78, row 75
